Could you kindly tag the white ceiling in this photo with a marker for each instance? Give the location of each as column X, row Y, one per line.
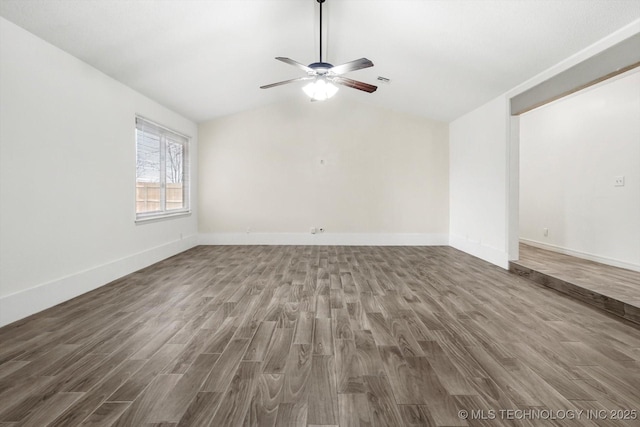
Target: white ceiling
column 206, row 59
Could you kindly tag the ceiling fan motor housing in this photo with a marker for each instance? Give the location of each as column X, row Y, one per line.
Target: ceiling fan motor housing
column 321, row 67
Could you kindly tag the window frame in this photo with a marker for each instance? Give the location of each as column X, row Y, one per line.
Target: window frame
column 164, row 134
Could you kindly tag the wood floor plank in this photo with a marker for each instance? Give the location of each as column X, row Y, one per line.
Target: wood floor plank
column 201, row 409
column 626, row 393
column 322, row 337
column 297, row 373
column 49, row 410
column 348, row 369
column 267, row 396
column 276, row 358
column 381, row 330
column 38, row 367
column 128, row 391
column 260, row 342
column 292, row 414
column 520, row 394
column 107, row 414
column 439, row 402
column 353, row 410
column 11, row 366
column 25, row 396
column 33, row 402
column 86, row 405
column 304, row 328
column 236, row 401
column 323, row 307
column 368, row 354
column 144, row 407
column 323, row 399
column 357, row 316
column 222, row 336
column 383, row 410
column 158, row 340
column 222, row 372
column 336, row 297
column 555, row 375
column 450, row 377
column 341, row 324
column 414, row 415
column 458, row 355
column 173, row 407
column 403, row 379
column 99, row 369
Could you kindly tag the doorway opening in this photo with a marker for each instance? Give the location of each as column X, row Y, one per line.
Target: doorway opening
column 574, row 181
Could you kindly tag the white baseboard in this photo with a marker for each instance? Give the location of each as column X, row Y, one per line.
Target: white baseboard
column 346, row 239
column 583, row 255
column 30, row 301
column 477, row 249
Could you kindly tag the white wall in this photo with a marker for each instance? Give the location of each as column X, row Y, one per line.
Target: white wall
column 478, row 190
column 571, row 150
column 67, row 156
column 366, row 175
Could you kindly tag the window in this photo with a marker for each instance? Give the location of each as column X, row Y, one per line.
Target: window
column 162, row 171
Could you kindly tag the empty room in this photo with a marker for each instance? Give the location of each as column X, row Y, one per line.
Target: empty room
column 319, row 213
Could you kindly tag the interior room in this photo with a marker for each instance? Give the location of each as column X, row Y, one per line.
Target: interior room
column 319, row 213
column 578, row 218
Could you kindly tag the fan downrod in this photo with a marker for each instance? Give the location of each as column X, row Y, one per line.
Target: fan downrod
column 324, row 75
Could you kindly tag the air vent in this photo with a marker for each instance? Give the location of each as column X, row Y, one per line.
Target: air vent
column 384, row 79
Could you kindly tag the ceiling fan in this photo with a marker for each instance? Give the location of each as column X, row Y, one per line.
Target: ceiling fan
column 323, row 75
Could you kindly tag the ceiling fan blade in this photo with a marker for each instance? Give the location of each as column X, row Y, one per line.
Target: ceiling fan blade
column 299, row 79
column 366, row 87
column 358, row 64
column 295, row 64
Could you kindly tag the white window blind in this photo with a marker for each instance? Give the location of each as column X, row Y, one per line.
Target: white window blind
column 162, row 171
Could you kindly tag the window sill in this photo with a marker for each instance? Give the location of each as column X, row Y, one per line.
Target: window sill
column 144, row 219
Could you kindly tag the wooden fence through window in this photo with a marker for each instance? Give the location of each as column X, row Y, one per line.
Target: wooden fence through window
column 148, row 196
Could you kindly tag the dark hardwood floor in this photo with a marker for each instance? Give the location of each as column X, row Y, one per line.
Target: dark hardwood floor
column 616, row 290
column 307, row 336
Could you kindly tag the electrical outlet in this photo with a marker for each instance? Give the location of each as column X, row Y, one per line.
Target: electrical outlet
column 618, row 181
column 545, row 232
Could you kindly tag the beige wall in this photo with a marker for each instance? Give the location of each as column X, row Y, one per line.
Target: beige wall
column 341, row 165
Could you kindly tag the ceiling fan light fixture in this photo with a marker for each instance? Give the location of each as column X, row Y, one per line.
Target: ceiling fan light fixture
column 325, row 76
column 320, row 89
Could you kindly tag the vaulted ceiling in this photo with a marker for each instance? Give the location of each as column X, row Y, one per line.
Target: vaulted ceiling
column 206, row 59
